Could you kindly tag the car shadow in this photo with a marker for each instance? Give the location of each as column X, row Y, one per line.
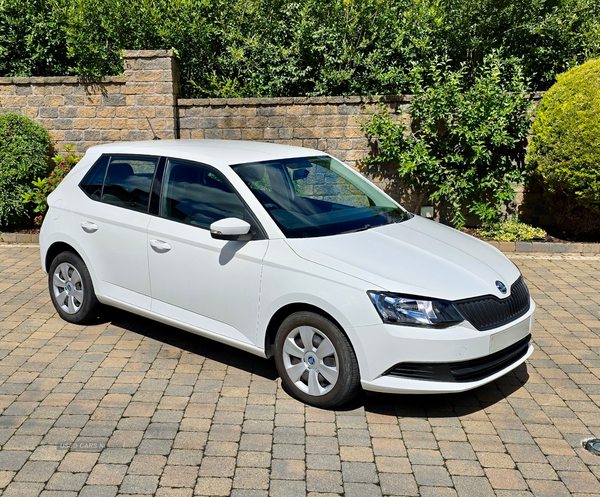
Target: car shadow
column 397, row 405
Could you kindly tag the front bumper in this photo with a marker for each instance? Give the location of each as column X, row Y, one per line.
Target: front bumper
column 383, row 347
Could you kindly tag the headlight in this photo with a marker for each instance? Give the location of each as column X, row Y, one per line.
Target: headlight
column 413, row 311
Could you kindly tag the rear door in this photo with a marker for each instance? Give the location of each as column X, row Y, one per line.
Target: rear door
column 114, row 220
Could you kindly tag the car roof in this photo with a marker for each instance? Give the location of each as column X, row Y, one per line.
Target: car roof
column 215, row 152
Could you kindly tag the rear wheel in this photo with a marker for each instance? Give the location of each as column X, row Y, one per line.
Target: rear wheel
column 71, row 289
column 315, row 360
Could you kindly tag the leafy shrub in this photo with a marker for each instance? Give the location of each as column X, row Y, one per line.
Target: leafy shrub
column 565, row 150
column 44, row 187
column 465, row 147
column 24, row 149
column 511, row 231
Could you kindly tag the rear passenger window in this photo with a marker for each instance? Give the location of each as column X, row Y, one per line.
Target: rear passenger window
column 94, row 179
column 128, row 182
column 196, row 195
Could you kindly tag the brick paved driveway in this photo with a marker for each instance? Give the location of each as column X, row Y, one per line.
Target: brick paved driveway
column 147, row 409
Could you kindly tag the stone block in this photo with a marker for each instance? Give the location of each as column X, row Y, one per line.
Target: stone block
column 233, row 134
column 53, row 100
column 100, row 123
column 86, row 112
column 139, row 112
column 320, row 110
column 105, row 112
column 308, row 133
column 23, row 90
column 63, row 124
column 252, row 134
column 137, row 88
column 110, row 135
column 15, row 101
column 49, row 112
column 189, row 123
column 81, row 123
column 93, row 100
column 122, row 123
column 73, row 135
column 231, row 122
column 147, row 76
column 258, row 122
column 115, row 100
column 333, row 133
column 75, row 101
column 332, row 120
column 149, row 100
column 92, row 135
column 35, row 101
column 271, row 133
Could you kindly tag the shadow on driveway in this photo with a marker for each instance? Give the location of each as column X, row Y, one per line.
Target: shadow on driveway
column 398, row 405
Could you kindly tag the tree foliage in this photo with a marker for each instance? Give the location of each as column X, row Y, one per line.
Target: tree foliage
column 296, row 47
column 465, row 145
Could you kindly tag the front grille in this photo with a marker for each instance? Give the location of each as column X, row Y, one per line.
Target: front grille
column 489, row 311
column 472, row 370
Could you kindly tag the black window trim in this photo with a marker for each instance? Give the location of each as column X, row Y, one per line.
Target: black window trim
column 262, row 233
column 163, row 161
column 110, row 159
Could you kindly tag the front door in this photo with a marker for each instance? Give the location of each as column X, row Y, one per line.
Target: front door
column 210, row 284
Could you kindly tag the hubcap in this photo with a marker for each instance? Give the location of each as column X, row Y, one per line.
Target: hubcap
column 310, row 360
column 67, row 288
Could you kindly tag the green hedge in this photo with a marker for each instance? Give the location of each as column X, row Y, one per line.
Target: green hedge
column 24, row 147
column 464, row 149
column 565, row 150
column 252, row 48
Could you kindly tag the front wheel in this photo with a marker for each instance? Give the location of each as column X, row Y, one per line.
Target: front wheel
column 315, row 360
column 71, row 289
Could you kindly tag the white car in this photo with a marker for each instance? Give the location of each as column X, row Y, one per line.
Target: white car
column 286, row 252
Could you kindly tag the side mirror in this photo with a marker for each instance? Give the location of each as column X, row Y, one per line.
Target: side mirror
column 231, row 228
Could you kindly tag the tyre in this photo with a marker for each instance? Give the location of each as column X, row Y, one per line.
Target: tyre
column 71, row 289
column 315, row 360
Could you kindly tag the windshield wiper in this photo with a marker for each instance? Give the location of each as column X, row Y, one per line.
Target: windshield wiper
column 364, row 228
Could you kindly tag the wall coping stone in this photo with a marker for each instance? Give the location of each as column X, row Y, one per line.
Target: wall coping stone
column 146, row 54
column 368, row 99
column 64, row 80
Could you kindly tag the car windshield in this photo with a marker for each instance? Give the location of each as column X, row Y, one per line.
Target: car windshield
column 318, row 196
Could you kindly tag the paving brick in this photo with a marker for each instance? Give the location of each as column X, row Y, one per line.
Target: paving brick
column 323, row 481
column 213, row 486
column 107, row 474
column 138, row 484
column 396, row 484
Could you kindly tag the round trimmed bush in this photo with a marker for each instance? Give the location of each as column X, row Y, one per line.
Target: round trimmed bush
column 564, row 151
column 24, row 148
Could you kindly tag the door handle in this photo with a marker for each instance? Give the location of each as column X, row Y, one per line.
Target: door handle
column 89, row 227
column 160, row 246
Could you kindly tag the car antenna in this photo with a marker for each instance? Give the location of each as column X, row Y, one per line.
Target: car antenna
column 149, row 124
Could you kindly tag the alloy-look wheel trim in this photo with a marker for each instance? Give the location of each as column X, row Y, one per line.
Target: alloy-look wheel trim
column 67, row 287
column 310, row 360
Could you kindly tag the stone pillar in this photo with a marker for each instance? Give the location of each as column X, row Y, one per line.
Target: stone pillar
column 151, row 89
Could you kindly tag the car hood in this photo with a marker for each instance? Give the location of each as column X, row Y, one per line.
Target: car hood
column 415, row 257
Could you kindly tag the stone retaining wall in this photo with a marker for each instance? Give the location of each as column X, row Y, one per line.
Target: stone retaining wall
column 89, row 111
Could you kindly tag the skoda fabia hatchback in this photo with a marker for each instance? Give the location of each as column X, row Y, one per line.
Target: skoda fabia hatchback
column 286, row 252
